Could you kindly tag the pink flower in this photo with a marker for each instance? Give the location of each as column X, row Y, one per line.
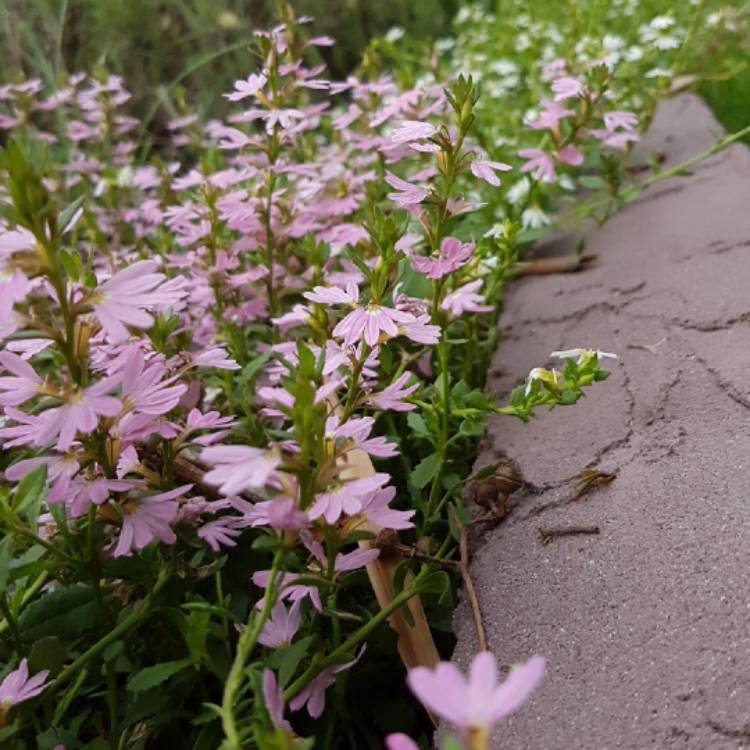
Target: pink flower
column 466, row 299
column 122, row 300
column 239, row 467
column 273, row 698
column 550, row 115
column 358, row 430
column 23, row 385
column 289, row 590
column 313, row 695
column 485, row 170
column 18, row 687
column 80, row 412
column 333, row 295
column 284, row 515
column 570, row 155
column 248, row 87
column 345, row 497
column 624, row 120
column 566, row 87
column 143, row 389
column 220, row 532
column 452, row 255
column 421, row 331
column 146, row 518
column 406, row 194
column 375, row 509
column 392, row 397
column 214, row 357
column 281, row 627
column 540, row 162
column 400, row 741
column 476, row 704
column 412, row 130
column 369, row 323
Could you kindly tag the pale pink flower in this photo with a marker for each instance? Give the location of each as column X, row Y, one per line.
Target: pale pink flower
column 550, row 115
column 421, row 331
column 485, row 170
column 540, row 162
column 466, row 299
column 400, row 741
column 284, row 515
column 452, row 255
column 619, row 119
column 288, row 589
column 358, row 429
column 345, row 497
column 214, row 357
column 123, row 299
column 220, row 532
column 146, row 518
column 143, row 389
column 406, row 194
column 566, row 87
column 18, row 687
column 239, row 467
column 22, row 385
column 273, row 699
column 333, row 295
column 412, row 130
column 281, row 627
column 247, row 87
column 475, row 704
column 392, row 397
column 368, row 323
column 375, row 508
column 570, row 155
column 80, row 412
column 313, row 695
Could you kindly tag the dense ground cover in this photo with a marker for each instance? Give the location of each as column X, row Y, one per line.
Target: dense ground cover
column 243, row 370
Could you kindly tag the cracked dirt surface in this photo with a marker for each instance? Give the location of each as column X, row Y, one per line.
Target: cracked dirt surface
column 646, row 627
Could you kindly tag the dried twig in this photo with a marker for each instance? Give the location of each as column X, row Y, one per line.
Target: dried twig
column 547, row 535
column 468, row 583
column 591, row 479
column 561, row 264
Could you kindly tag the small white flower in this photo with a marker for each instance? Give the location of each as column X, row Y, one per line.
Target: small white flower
column 579, row 354
column 394, row 34
column 533, row 218
column 519, row 190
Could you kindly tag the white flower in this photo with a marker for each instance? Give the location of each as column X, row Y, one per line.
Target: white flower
column 394, row 34
column 579, row 354
column 661, row 22
column 519, row 190
column 533, row 218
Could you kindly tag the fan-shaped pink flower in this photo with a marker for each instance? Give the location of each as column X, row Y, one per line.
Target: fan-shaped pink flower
column 18, row 687
column 239, row 467
column 452, row 255
column 477, row 703
column 486, row 170
column 123, row 299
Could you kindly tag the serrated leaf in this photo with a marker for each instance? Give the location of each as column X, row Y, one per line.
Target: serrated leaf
column 426, row 470
column 151, row 677
column 288, row 659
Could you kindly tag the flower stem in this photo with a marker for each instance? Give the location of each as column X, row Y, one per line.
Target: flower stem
column 245, row 645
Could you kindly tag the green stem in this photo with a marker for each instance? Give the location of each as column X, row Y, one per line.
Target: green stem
column 245, row 645
column 12, row 624
column 139, row 613
column 355, row 638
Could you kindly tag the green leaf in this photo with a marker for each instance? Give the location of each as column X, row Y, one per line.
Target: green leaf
column 68, row 212
column 67, row 612
column 250, row 370
column 417, row 425
column 150, row 677
column 6, row 551
column 426, row 470
column 30, row 492
column 196, row 630
column 48, row 653
column 288, row 659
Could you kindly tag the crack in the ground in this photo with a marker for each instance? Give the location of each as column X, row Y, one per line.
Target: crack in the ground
column 736, row 734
